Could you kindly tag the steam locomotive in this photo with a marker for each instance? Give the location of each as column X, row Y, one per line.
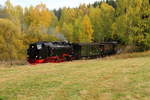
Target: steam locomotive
column 43, row 52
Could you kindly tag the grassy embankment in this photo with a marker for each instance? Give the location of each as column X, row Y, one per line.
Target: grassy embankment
column 123, row 77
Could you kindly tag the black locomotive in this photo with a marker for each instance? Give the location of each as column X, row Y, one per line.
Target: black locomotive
column 43, row 52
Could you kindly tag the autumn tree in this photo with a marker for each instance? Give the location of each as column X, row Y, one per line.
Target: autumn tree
column 38, row 21
column 68, row 15
column 11, row 45
column 67, row 30
column 94, row 15
column 139, row 27
column 78, row 30
column 15, row 13
column 87, row 35
column 106, row 21
column 38, row 18
column 131, row 26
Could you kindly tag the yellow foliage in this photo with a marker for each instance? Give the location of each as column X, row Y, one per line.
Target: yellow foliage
column 11, row 44
column 39, row 16
column 88, row 30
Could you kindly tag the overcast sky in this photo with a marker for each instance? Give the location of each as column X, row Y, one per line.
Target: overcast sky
column 51, row 4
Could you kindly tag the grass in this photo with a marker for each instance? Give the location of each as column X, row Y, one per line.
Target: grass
column 120, row 77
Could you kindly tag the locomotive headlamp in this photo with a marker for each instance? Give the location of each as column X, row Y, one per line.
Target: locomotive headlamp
column 39, row 46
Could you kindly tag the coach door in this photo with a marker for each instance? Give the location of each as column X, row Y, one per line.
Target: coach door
column 102, row 50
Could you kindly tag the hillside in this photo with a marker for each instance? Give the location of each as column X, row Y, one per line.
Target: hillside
column 112, row 78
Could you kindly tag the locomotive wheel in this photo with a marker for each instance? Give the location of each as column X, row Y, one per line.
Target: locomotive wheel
column 57, row 60
column 67, row 58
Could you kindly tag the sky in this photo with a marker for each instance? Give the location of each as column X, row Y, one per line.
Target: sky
column 51, row 4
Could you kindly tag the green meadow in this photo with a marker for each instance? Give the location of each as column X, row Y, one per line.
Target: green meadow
column 121, row 77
